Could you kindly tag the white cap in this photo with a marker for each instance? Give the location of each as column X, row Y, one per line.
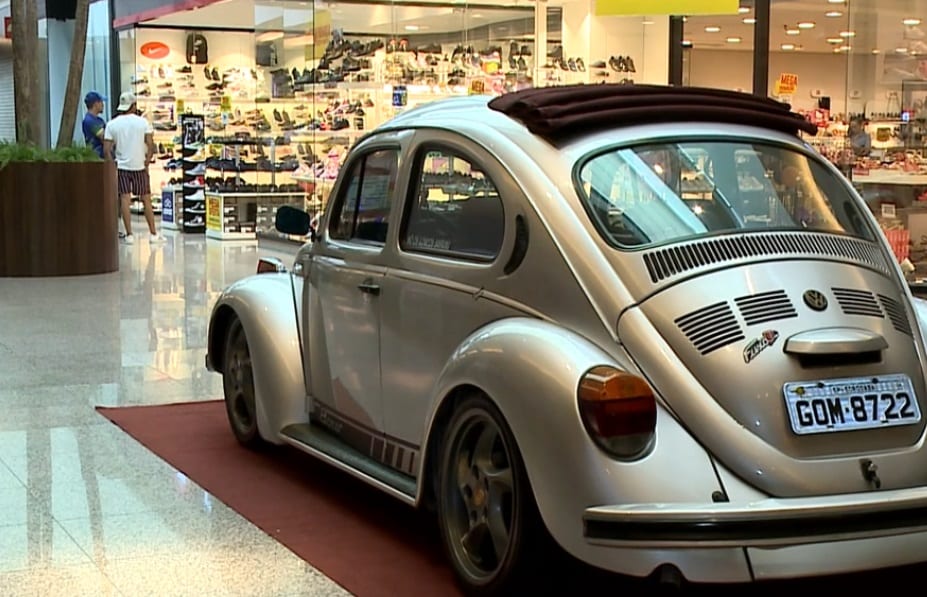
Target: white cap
column 125, row 101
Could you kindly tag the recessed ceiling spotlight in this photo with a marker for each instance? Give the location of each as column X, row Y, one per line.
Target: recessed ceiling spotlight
column 787, row 47
column 792, row 31
column 847, row 34
column 835, row 1
column 749, row 21
column 647, row 22
column 911, row 22
column 687, row 43
column 877, row 51
column 734, row 40
column 901, row 50
column 845, row 48
column 743, row 10
column 835, row 40
column 833, row 14
column 411, row 27
column 806, row 25
column 712, row 29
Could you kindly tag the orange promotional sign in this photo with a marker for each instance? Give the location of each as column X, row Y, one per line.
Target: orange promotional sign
column 787, row 84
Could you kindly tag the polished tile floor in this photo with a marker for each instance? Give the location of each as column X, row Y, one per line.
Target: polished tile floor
column 84, row 508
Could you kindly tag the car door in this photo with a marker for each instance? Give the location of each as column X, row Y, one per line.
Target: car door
column 343, row 322
column 452, row 248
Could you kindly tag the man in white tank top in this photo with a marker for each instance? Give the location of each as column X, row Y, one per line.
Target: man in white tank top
column 129, row 137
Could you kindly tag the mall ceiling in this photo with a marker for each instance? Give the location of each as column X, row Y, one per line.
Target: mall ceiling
column 858, row 26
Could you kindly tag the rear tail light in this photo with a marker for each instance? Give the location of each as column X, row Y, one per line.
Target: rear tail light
column 618, row 409
column 270, row 265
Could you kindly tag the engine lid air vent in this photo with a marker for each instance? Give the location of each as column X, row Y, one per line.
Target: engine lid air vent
column 858, row 302
column 765, row 306
column 711, row 327
column 897, row 314
column 665, row 263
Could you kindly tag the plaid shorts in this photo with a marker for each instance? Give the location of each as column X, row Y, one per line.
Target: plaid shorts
column 133, row 182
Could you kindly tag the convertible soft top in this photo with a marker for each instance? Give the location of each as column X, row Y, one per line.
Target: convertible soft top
column 557, row 113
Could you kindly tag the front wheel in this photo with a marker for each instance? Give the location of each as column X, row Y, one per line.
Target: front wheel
column 486, row 510
column 238, row 385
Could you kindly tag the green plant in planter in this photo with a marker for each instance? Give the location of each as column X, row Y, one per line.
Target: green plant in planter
column 27, row 152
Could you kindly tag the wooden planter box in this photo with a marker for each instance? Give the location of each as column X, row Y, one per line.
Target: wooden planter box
column 57, row 219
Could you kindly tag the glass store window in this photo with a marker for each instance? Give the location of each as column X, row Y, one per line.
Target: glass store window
column 718, row 50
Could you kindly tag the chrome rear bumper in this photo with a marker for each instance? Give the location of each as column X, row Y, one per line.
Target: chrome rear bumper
column 766, row 523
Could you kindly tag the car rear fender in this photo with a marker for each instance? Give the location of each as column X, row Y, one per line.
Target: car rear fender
column 264, row 304
column 531, row 370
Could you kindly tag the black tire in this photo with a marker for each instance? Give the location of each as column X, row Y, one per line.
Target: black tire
column 238, row 386
column 487, row 514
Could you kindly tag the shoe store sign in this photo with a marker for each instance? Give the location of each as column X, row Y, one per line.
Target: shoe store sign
column 666, row 7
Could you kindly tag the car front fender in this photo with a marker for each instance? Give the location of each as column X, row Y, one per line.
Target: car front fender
column 531, row 370
column 264, row 305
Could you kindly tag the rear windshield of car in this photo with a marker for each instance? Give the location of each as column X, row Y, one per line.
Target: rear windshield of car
column 664, row 192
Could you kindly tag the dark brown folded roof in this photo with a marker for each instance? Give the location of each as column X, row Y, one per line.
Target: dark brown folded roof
column 557, row 113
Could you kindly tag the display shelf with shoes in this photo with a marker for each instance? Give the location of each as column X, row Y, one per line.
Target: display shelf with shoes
column 193, row 137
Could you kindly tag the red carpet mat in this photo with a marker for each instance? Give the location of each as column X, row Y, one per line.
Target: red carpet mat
column 367, row 542
column 364, row 540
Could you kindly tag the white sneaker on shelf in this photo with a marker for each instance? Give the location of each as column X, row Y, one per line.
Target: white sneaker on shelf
column 157, row 238
column 129, row 239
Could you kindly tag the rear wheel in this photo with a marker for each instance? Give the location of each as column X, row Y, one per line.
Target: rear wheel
column 238, row 385
column 486, row 510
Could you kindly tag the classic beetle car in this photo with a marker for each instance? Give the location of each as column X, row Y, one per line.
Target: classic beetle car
column 649, row 323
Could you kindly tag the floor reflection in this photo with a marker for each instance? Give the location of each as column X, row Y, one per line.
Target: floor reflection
column 85, row 509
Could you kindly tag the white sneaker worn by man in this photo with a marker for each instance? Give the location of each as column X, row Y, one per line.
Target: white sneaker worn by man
column 129, row 239
column 157, row 238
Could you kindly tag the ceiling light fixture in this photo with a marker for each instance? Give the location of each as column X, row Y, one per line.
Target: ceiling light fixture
column 877, row 51
column 901, row 50
column 687, row 43
column 411, row 27
column 787, row 47
column 847, row 34
column 845, row 48
column 835, row 40
column 833, row 14
column 806, row 25
column 712, row 29
column 749, row 21
column 743, row 10
column 734, row 40
column 792, row 31
column 647, row 22
column 911, row 22
column 835, row 1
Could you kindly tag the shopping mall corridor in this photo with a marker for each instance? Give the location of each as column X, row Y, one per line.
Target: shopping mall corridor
column 84, row 508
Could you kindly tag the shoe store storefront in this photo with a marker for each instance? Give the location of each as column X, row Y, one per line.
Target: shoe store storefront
column 255, row 102
column 858, row 69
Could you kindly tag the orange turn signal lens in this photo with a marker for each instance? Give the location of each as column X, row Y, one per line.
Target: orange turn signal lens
column 270, row 265
column 618, row 409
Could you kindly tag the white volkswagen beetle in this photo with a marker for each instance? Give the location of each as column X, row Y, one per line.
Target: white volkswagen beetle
column 649, row 323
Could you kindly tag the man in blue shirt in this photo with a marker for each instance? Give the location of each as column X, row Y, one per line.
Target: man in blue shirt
column 93, row 124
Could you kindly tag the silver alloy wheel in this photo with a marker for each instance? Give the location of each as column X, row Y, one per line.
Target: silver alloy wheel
column 238, row 384
column 480, row 497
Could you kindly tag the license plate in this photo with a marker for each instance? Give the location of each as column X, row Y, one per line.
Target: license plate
column 851, row 404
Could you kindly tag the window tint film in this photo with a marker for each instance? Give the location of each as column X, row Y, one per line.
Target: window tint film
column 455, row 210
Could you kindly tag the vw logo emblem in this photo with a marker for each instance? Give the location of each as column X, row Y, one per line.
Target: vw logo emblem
column 815, row 300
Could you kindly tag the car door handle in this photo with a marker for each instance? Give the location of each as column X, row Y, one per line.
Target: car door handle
column 368, row 287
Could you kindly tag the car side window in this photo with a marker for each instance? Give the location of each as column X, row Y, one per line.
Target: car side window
column 454, row 209
column 362, row 212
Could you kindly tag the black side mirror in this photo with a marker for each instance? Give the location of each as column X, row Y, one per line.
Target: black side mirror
column 292, row 220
